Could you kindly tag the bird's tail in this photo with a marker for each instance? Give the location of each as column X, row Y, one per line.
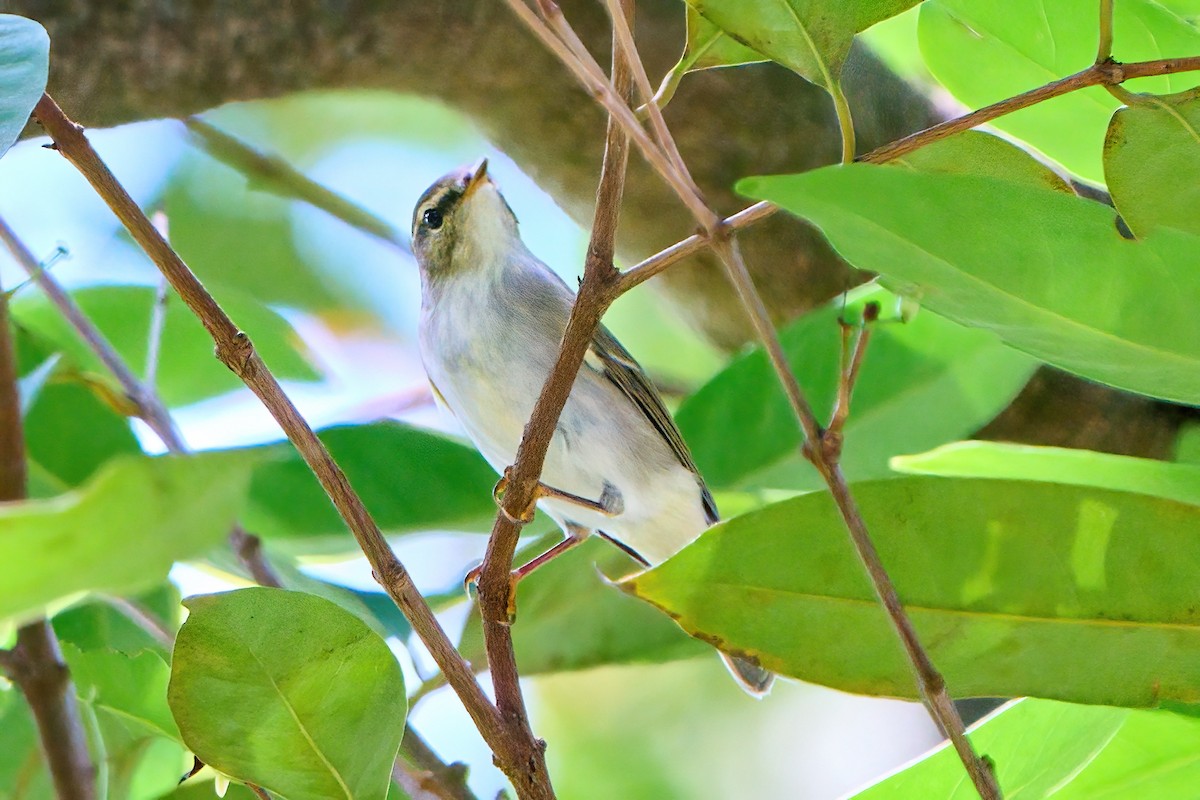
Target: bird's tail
column 755, row 680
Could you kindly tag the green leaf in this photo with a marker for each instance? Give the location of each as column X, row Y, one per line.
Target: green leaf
column 923, row 383
column 809, row 37
column 97, row 625
column 131, row 687
column 23, row 773
column 1057, row 465
column 1036, row 746
column 70, row 433
column 1048, row 272
column 598, row 626
column 187, row 370
column 288, row 691
column 410, row 480
column 978, row 153
column 707, row 47
column 1155, row 754
column 984, row 52
column 139, row 765
column 121, row 532
column 1152, row 163
column 24, row 67
column 1016, row 588
column 255, row 250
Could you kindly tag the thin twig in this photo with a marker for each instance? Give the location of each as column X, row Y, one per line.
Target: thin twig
column 142, row 617
column 158, row 321
column 586, row 71
column 272, row 173
column 658, row 125
column 929, row 681
column 517, row 753
column 35, row 664
column 425, row 776
column 1105, row 73
column 595, row 294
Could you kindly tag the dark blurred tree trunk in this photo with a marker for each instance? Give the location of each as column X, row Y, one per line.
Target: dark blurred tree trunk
column 124, row 60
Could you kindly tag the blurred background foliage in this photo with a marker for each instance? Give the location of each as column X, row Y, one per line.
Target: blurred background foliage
column 631, row 706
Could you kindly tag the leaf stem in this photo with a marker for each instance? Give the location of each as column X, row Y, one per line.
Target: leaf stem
column 845, row 120
column 1104, row 50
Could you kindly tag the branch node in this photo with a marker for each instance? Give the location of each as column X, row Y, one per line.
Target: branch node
column 236, row 353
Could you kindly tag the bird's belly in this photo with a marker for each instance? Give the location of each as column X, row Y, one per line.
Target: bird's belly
column 601, row 441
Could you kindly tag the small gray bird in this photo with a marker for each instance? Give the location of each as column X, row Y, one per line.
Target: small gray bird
column 492, row 320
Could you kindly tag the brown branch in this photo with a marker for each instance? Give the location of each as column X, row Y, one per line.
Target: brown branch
column 35, row 664
column 424, row 776
column 515, row 749
column 268, row 172
column 595, row 295
column 929, row 681
column 1107, row 73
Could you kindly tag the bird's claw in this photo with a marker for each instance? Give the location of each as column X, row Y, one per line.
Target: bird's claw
column 471, row 587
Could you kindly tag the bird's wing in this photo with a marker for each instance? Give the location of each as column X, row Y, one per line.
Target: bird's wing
column 609, row 358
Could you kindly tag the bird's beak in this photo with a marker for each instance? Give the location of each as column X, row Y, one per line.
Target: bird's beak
column 477, row 178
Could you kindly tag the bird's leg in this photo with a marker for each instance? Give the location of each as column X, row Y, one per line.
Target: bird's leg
column 610, row 503
column 576, row 534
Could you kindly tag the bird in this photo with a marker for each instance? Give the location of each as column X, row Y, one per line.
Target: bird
column 491, row 323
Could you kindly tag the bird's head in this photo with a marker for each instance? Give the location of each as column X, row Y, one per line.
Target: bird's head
column 462, row 222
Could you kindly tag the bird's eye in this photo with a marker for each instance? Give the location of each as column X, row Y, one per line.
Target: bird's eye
column 432, row 218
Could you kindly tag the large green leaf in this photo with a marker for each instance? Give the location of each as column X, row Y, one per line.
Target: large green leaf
column 187, row 369
column 984, row 51
column 1016, row 588
column 120, row 532
column 1155, row 754
column 288, row 691
column 1152, row 163
column 570, row 617
column 1047, row 271
column 807, row 36
column 410, row 480
column 1036, row 745
column 1058, row 465
column 24, row 66
column 925, row 382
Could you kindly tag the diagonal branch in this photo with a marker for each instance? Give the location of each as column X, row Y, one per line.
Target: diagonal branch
column 513, row 748
column 35, row 664
column 268, row 172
